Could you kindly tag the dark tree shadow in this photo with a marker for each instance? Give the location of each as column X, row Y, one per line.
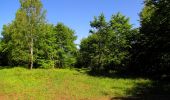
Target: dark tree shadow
column 157, row 89
column 113, row 74
column 10, row 67
column 5, row 67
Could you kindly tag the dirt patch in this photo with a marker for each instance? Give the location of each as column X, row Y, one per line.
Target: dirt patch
column 2, row 97
column 9, row 96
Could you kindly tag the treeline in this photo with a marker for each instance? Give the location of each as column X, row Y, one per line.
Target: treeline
column 115, row 45
column 112, row 45
column 30, row 41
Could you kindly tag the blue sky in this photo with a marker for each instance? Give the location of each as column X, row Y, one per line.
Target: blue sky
column 76, row 13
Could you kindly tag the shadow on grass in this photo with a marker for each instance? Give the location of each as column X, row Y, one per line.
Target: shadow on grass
column 154, row 90
column 5, row 67
column 10, row 67
column 113, row 74
column 157, row 89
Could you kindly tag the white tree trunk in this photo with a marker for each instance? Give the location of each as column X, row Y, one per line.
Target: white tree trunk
column 31, row 54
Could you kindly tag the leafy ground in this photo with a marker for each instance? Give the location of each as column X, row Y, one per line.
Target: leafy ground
column 63, row 84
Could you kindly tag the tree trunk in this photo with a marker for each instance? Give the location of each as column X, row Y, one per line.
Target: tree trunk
column 31, row 53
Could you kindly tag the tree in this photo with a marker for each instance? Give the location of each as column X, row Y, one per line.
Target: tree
column 13, row 48
column 56, row 47
column 108, row 45
column 119, row 41
column 65, row 46
column 88, row 52
column 34, row 17
column 19, row 36
column 99, row 26
column 155, row 55
column 47, row 47
column 30, row 40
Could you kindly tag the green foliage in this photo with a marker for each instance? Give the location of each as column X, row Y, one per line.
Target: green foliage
column 19, row 37
column 47, row 48
column 29, row 40
column 46, row 64
column 107, row 47
column 112, row 45
column 152, row 52
column 66, row 48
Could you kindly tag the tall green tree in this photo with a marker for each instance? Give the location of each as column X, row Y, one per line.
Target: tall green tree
column 34, row 17
column 154, row 42
column 56, row 47
column 20, row 36
column 65, row 46
column 47, row 47
column 107, row 47
column 99, row 27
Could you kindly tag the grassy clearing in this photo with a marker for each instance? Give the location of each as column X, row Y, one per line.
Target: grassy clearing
column 61, row 84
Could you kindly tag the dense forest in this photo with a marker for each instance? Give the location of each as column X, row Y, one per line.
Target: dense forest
column 114, row 45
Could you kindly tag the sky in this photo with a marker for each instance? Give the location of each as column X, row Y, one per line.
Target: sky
column 76, row 14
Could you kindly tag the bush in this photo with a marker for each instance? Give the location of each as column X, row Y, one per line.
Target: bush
column 46, row 64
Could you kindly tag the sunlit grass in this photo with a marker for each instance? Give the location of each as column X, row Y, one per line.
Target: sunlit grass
column 60, row 84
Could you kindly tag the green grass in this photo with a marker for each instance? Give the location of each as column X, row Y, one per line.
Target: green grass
column 61, row 84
